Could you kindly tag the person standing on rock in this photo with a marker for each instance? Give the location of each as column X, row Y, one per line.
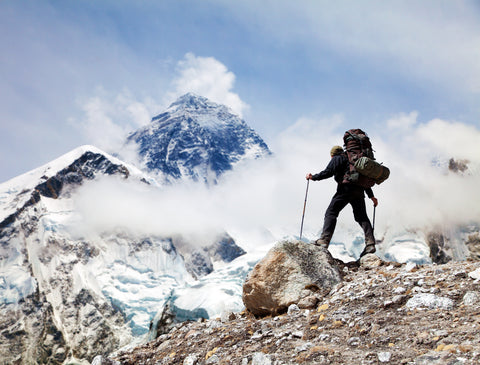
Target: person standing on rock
column 347, row 193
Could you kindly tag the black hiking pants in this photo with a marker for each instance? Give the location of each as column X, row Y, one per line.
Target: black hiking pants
column 353, row 195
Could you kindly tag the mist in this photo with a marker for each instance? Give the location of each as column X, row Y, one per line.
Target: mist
column 262, row 201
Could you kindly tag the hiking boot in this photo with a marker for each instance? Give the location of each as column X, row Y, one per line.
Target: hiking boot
column 369, row 248
column 321, row 243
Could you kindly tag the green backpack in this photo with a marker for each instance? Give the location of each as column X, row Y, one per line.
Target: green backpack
column 372, row 169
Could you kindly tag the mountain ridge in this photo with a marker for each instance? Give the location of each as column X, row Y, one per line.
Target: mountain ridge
column 93, row 292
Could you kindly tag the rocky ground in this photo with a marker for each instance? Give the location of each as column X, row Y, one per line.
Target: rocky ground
column 381, row 313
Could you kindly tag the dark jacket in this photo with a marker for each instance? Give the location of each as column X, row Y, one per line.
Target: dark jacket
column 337, row 167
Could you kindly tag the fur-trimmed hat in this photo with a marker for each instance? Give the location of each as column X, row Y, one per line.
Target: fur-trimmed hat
column 336, row 150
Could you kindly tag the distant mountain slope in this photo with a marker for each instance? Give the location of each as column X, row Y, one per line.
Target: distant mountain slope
column 67, row 171
column 196, row 139
column 67, row 291
column 45, row 297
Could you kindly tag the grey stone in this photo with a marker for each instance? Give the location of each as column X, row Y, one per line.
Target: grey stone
column 353, row 341
column 384, row 356
column 227, row 317
column 370, row 261
column 293, row 308
column 430, row 301
column 213, row 359
column 259, row 358
column 471, row 298
column 304, row 347
column 475, row 274
column 308, row 302
column 297, row 334
column 97, row 360
column 291, row 271
column 190, row 360
column 323, row 337
column 100, row 360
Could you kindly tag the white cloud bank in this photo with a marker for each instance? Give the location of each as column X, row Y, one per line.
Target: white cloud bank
column 422, row 190
column 110, row 117
column 207, row 77
column 269, row 194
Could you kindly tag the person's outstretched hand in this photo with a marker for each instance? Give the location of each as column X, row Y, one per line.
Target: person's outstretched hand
column 375, row 201
column 309, row 176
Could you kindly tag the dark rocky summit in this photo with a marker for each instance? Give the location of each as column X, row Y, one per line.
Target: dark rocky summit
column 196, row 139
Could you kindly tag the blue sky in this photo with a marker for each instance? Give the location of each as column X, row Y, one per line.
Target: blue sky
column 88, row 72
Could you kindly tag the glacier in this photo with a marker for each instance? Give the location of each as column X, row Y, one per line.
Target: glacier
column 99, row 283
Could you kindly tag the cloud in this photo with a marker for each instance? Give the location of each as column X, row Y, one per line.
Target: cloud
column 403, row 122
column 268, row 195
column 435, row 44
column 108, row 118
column 113, row 203
column 422, row 191
column 99, row 127
column 258, row 202
column 451, row 139
column 207, row 77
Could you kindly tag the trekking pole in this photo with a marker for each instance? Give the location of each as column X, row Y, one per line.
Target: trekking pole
column 304, row 205
column 373, row 225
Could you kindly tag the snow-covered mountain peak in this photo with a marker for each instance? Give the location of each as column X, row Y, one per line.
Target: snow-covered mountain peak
column 204, row 112
column 59, row 175
column 31, row 178
column 196, row 139
column 194, row 102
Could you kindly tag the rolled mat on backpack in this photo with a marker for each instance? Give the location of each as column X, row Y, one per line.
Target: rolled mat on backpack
column 372, row 169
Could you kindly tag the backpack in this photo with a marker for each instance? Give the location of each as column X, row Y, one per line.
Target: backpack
column 362, row 169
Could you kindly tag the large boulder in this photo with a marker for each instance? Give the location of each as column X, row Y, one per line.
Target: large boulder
column 292, row 272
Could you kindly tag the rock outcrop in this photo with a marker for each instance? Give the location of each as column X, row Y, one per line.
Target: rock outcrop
column 293, row 272
column 381, row 313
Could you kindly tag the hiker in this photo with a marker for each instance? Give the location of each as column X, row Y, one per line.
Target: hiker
column 347, row 193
